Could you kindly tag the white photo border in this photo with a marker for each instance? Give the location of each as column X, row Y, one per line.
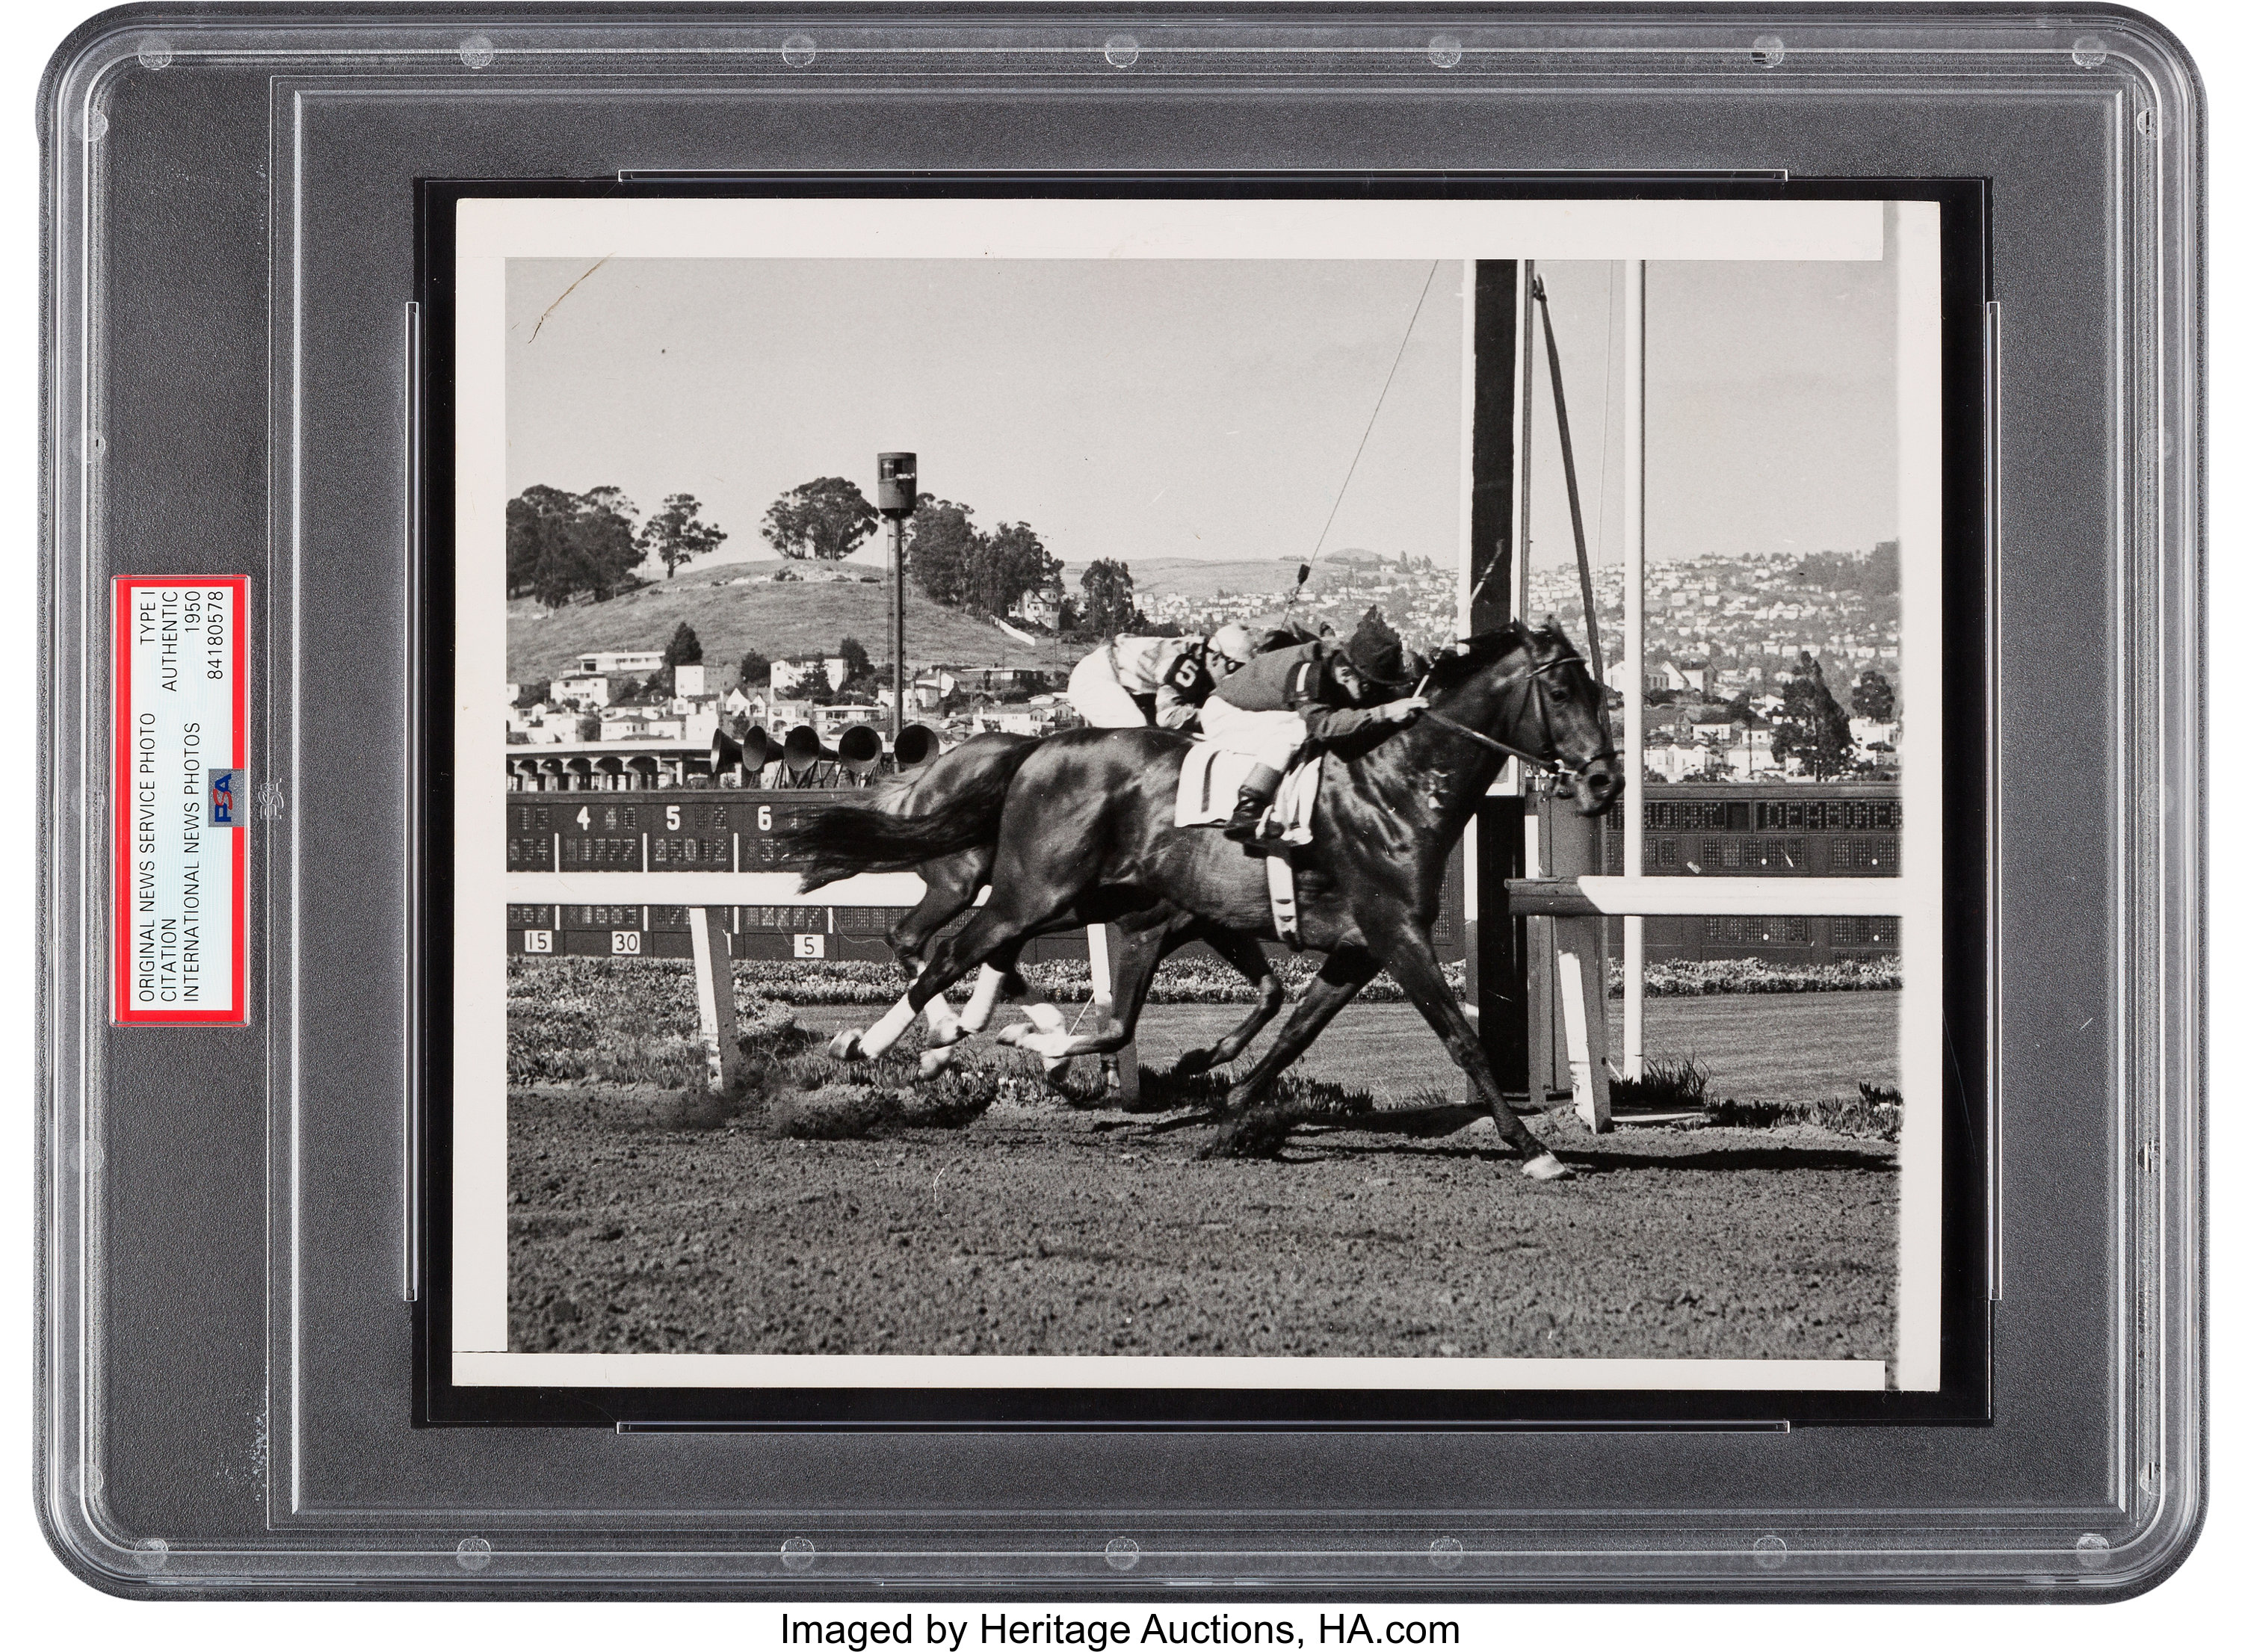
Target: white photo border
column 492, row 229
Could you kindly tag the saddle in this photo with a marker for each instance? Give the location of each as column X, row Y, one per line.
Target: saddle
column 1206, row 792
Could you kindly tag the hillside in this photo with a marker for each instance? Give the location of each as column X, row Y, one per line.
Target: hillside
column 775, row 620
column 1198, row 579
column 778, row 620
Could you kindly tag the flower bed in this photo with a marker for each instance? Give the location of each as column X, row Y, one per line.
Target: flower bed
column 1692, row 977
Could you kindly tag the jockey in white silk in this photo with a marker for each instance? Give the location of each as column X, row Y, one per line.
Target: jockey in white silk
column 1133, row 682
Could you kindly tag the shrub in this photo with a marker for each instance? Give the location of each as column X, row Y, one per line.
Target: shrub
column 596, row 1020
column 1704, row 978
column 1875, row 1113
column 1665, row 1086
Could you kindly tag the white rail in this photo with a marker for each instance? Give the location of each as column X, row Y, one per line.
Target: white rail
column 600, row 888
column 1780, row 897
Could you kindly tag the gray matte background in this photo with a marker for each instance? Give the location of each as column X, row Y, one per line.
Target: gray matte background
column 253, row 222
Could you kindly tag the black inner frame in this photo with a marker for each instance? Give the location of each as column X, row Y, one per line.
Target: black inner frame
column 1965, row 1367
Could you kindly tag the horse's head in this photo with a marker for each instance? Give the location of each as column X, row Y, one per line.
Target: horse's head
column 1544, row 704
column 1575, row 733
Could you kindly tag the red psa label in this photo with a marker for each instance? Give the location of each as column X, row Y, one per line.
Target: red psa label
column 180, row 793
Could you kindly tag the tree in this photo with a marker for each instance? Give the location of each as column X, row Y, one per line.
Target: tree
column 607, row 542
column 1874, row 574
column 826, row 519
column 676, row 534
column 754, row 670
column 1873, row 698
column 559, row 545
column 534, row 693
column 856, row 663
column 1811, row 726
column 684, row 647
column 941, row 547
column 1009, row 563
column 1109, row 596
column 537, row 524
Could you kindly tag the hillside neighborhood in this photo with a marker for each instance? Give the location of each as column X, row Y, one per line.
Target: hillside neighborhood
column 1756, row 668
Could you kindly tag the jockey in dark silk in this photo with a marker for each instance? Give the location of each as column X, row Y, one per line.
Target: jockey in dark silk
column 1315, row 696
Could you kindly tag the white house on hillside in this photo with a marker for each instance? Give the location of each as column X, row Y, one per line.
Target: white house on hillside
column 787, row 675
column 1040, row 607
column 601, row 664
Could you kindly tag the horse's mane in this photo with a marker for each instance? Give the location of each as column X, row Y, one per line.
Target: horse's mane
column 1450, row 668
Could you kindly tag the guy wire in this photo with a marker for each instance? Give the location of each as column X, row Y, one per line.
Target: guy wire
column 1390, row 372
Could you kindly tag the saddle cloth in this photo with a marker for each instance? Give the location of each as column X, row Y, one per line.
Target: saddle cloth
column 1206, row 792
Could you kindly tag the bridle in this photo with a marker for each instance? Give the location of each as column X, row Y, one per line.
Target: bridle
column 1551, row 759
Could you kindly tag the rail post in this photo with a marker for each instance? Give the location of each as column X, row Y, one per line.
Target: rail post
column 712, row 987
column 1123, row 1063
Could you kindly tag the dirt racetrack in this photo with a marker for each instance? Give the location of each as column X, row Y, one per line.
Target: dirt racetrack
column 1042, row 1227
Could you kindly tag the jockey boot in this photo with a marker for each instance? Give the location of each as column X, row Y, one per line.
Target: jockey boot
column 1255, row 793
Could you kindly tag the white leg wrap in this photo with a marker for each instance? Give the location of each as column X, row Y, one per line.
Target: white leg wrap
column 1054, row 1046
column 1046, row 1016
column 889, row 1028
column 983, row 1003
column 942, row 1026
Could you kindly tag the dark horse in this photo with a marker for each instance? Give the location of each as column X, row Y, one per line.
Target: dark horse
column 981, row 768
column 1085, row 833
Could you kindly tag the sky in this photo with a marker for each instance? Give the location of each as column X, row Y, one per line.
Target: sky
column 1136, row 408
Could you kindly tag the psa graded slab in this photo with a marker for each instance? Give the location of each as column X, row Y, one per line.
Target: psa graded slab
column 1019, row 789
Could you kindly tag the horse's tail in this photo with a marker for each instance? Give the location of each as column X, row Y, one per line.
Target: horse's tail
column 830, row 844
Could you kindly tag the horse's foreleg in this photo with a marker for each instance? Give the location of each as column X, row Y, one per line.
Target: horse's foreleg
column 994, row 935
column 1245, row 956
column 1343, row 975
column 1035, row 1003
column 1044, row 1015
column 1417, row 967
column 1252, row 1127
column 1137, row 957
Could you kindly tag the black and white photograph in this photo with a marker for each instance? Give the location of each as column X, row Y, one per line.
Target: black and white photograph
column 1177, row 793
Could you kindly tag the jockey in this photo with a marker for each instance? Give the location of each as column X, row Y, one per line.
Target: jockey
column 1133, row 682
column 1315, row 694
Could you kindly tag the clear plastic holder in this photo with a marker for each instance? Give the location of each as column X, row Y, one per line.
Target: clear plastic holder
column 229, row 1214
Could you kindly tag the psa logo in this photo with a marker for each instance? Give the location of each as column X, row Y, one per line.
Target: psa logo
column 229, row 795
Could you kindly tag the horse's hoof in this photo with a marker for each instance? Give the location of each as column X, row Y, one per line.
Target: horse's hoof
column 1192, row 1063
column 847, row 1045
column 1548, row 1168
column 934, row 1063
column 1055, row 1068
column 1012, row 1033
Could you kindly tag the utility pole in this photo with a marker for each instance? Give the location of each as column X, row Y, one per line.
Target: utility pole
column 898, row 492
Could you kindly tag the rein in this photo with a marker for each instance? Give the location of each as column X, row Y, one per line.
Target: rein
column 1555, row 765
column 1549, row 760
